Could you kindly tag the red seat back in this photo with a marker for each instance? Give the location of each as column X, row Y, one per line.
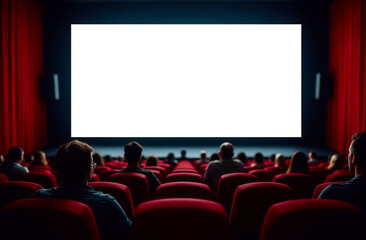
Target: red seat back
column 277, row 170
column 136, row 182
column 227, row 186
column 335, row 177
column 183, row 190
column 184, row 177
column 303, row 185
column 162, row 170
column 3, row 177
column 45, row 179
column 48, row 218
column 119, row 191
column 263, row 175
column 311, row 219
column 180, row 219
column 251, row 203
column 15, row 190
column 105, row 174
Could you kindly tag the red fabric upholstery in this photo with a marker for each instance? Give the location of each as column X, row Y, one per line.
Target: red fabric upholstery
column 162, row 170
column 3, row 177
column 185, row 170
column 180, row 219
column 277, row 170
column 227, row 186
column 310, row 219
column 49, row 218
column 105, row 174
column 45, row 179
column 136, row 182
column 119, row 191
column 157, row 174
column 183, row 190
column 303, row 185
column 320, row 188
column 15, row 190
column 250, row 205
column 334, row 177
column 263, row 175
column 98, row 169
column 40, row 169
column 319, row 174
column 184, row 177
column 94, row 178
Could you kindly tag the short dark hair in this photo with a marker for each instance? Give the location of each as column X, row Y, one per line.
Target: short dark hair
column 133, row 152
column 14, row 154
column 73, row 161
column 359, row 148
column 258, row 158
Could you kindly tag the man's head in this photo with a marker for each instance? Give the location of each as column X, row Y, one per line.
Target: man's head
column 74, row 162
column 133, row 152
column 357, row 153
column 15, row 154
column 203, row 154
column 226, row 151
column 312, row 155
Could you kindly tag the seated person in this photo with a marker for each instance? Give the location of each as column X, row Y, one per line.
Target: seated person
column 74, row 162
column 203, row 158
column 225, row 165
column 242, row 157
column 258, row 161
column 171, row 160
column 280, row 161
column 133, row 152
column 313, row 158
column 298, row 163
column 39, row 161
column 152, row 161
column 12, row 168
column 353, row 191
column 335, row 163
column 98, row 159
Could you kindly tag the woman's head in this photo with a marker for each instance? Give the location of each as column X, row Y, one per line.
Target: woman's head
column 280, row 161
column 39, row 159
column 152, row 161
column 336, row 162
column 298, row 163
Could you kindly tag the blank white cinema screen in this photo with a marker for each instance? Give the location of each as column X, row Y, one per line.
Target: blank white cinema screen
column 186, row 80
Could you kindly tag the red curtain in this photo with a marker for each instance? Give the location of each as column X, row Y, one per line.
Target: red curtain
column 347, row 63
column 23, row 112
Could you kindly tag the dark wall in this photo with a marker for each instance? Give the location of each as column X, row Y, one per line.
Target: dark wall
column 313, row 16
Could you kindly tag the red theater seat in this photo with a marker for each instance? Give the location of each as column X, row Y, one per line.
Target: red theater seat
column 105, row 174
column 15, row 190
column 319, row 174
column 3, row 177
column 180, row 219
column 227, row 186
column 94, row 178
column 45, row 179
column 184, row 177
column 157, row 175
column 335, row 177
column 183, row 190
column 119, row 191
column 311, row 219
column 48, row 218
column 136, row 182
column 263, row 175
column 277, row 170
column 303, row 185
column 162, row 170
column 185, row 170
column 250, row 205
column 320, row 188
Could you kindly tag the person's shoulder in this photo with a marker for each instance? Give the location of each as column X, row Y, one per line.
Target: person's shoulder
column 45, row 192
column 238, row 162
column 335, row 190
column 213, row 163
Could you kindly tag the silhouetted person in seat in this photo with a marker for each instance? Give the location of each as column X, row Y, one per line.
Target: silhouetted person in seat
column 353, row 191
column 313, row 158
column 280, row 161
column 152, row 161
column 335, row 163
column 171, row 160
column 98, row 159
column 298, row 163
column 75, row 164
column 203, row 158
column 242, row 157
column 133, row 152
column 225, row 165
column 258, row 161
column 12, row 168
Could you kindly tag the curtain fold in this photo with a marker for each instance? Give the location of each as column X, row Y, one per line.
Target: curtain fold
column 346, row 112
column 23, row 112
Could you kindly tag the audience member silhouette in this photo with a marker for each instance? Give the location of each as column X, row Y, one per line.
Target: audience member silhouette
column 353, row 191
column 298, row 163
column 2, row 159
column 152, row 161
column 75, row 164
column 98, row 159
column 133, row 152
column 12, row 168
column 183, row 155
column 335, row 163
column 203, row 158
column 225, row 165
column 280, row 161
column 258, row 161
column 313, row 158
column 242, row 157
column 214, row 156
column 171, row 160
column 39, row 160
